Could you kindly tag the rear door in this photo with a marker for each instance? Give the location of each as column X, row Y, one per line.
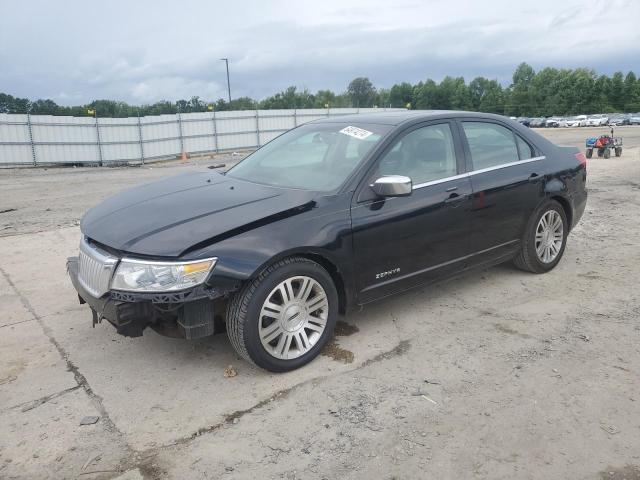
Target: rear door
column 507, row 182
column 400, row 242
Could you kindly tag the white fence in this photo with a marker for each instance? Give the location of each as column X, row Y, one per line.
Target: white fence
column 46, row 140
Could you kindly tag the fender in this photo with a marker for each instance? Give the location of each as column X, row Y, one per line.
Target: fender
column 243, row 256
column 557, row 189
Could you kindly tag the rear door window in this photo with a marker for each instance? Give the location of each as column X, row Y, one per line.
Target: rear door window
column 490, row 144
column 526, row 151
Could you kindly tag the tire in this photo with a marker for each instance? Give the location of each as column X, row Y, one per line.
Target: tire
column 618, row 151
column 248, row 323
column 528, row 258
column 607, row 153
column 589, row 152
column 600, row 152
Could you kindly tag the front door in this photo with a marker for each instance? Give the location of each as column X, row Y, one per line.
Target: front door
column 400, row 242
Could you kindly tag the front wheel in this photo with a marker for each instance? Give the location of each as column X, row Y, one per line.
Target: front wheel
column 545, row 239
column 282, row 319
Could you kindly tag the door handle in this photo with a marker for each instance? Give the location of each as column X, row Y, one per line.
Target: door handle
column 454, row 199
column 533, row 177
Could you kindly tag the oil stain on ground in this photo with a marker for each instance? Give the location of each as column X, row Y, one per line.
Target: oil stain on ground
column 335, row 351
column 344, row 329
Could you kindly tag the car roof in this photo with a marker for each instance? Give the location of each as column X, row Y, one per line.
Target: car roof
column 399, row 117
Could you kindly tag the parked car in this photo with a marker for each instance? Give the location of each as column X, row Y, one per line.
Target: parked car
column 326, row 218
column 553, row 122
column 538, row 122
column 634, row 119
column 619, row 119
column 598, row 120
column 578, row 121
column 524, row 121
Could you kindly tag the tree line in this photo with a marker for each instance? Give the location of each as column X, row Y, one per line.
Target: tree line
column 550, row 91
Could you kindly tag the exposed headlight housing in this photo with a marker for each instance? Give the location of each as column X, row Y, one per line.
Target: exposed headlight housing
column 142, row 276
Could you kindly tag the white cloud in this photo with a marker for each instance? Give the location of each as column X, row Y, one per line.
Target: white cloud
column 149, row 50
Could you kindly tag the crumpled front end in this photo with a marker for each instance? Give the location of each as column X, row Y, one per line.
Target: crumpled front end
column 191, row 313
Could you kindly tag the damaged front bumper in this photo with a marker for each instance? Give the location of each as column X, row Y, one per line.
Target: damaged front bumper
column 190, row 314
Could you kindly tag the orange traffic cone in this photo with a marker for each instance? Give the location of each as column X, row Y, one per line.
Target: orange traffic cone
column 183, row 158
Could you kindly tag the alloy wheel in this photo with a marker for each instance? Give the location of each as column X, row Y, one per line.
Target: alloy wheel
column 549, row 236
column 293, row 317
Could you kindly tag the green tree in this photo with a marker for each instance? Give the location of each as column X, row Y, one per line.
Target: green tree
column 323, row 98
column 477, row 90
column 425, row 95
column 11, row 104
column 243, row 103
column 383, row 97
column 44, row 107
column 362, row 92
column 288, row 99
column 602, row 89
column 581, row 95
column 492, row 100
column 520, row 101
column 617, row 92
column 631, row 93
column 460, row 98
column 400, row 95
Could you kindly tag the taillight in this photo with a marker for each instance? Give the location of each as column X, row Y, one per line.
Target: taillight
column 581, row 158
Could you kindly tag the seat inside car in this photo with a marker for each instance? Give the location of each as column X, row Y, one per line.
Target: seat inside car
column 429, row 159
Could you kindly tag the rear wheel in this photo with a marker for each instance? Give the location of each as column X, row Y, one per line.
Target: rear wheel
column 618, row 151
column 607, row 153
column 589, row 152
column 282, row 319
column 544, row 240
column 600, row 152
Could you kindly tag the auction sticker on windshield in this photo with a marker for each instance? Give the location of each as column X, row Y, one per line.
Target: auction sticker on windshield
column 356, row 132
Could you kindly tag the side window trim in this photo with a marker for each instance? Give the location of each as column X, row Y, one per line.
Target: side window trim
column 506, row 165
column 440, row 180
column 476, row 172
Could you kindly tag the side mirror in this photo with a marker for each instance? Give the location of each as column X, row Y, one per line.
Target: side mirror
column 392, row 186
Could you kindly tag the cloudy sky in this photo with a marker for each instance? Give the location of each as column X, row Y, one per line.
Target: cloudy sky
column 140, row 51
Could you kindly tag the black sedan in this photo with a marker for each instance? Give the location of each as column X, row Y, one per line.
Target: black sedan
column 327, row 217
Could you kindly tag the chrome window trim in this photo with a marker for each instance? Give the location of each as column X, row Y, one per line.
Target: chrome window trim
column 505, row 165
column 441, row 180
column 476, row 172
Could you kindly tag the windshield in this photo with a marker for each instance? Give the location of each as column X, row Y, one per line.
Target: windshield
column 316, row 156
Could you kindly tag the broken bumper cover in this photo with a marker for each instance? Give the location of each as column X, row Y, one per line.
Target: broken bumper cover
column 187, row 313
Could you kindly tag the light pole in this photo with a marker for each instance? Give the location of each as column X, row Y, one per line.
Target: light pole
column 226, row 61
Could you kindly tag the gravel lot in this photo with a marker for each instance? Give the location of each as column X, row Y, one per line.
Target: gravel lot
column 498, row 374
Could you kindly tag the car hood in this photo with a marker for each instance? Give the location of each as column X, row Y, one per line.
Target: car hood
column 173, row 216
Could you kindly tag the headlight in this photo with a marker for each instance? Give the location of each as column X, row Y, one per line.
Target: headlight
column 140, row 276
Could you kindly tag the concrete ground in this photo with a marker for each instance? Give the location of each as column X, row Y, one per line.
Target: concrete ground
column 499, row 374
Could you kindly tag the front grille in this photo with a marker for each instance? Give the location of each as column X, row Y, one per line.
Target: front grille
column 95, row 268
